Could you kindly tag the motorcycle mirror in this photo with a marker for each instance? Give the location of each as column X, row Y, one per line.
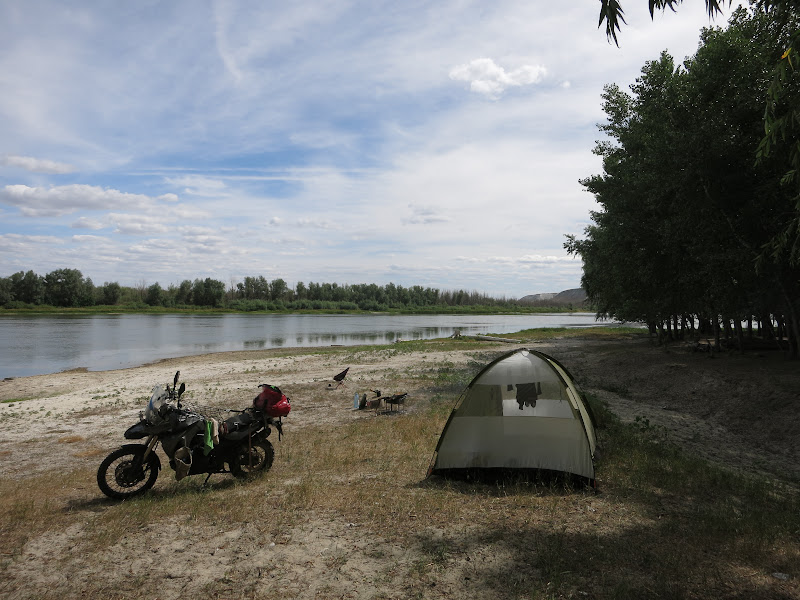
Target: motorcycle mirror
column 181, row 389
column 177, row 374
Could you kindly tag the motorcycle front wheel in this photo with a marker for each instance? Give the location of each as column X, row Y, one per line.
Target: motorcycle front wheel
column 124, row 474
column 252, row 460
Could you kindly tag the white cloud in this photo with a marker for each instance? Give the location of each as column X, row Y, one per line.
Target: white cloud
column 90, row 239
column 133, row 224
column 538, row 259
column 37, row 165
column 63, row 200
column 12, row 242
column 88, row 223
column 487, row 78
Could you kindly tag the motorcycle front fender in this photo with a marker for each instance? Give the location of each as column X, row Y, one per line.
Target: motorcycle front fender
column 139, row 431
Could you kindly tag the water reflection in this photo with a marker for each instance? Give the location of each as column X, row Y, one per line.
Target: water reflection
column 46, row 344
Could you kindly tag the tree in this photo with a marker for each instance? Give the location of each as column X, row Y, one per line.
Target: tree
column 183, row 294
column 685, row 211
column 65, row 287
column 208, row 292
column 253, row 288
column 611, row 12
column 279, row 289
column 781, row 118
column 87, row 293
column 155, row 295
column 27, row 287
column 110, row 293
column 5, row 290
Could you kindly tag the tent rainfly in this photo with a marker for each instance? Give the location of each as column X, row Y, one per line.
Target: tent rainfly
column 522, row 411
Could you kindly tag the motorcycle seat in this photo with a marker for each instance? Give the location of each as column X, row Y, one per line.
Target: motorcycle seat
column 237, row 422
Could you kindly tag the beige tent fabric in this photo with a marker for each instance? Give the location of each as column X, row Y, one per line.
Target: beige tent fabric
column 522, row 411
column 576, row 399
column 486, row 442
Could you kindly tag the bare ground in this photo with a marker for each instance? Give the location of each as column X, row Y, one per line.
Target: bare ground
column 740, row 411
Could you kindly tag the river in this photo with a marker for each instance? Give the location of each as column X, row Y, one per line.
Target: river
column 39, row 344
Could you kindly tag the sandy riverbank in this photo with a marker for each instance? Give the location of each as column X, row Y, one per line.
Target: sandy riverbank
column 738, row 411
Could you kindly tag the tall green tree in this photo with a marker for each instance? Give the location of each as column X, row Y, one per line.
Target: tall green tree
column 155, row 295
column 27, row 287
column 686, row 211
column 279, row 290
column 67, row 287
column 208, row 292
column 110, row 293
column 781, row 111
column 5, row 290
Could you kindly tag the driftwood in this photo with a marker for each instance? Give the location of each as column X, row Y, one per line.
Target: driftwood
column 495, row 339
column 487, row 338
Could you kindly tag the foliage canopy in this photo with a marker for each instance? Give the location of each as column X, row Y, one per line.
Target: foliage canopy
column 692, row 227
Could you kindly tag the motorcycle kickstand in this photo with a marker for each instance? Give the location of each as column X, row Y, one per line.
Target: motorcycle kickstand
column 206, row 481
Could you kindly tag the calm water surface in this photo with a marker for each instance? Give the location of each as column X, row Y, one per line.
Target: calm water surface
column 32, row 345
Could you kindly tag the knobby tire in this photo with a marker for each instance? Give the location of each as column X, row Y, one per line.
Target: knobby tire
column 119, row 478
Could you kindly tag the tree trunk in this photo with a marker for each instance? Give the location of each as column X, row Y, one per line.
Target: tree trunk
column 737, row 324
column 794, row 338
column 728, row 331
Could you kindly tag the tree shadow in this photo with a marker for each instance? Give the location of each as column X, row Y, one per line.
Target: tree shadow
column 551, row 560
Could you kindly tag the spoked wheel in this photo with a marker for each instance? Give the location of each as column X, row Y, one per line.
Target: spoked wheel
column 123, row 473
column 253, row 460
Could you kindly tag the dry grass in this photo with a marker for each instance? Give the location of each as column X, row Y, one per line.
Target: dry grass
column 665, row 525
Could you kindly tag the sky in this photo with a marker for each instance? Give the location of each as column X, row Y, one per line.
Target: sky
column 435, row 143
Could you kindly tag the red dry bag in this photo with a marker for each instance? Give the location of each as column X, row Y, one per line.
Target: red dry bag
column 272, row 401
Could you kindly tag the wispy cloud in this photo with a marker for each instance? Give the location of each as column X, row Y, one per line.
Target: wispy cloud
column 66, row 199
column 37, row 165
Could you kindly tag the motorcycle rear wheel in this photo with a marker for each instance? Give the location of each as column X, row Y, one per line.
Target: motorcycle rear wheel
column 251, row 461
column 119, row 477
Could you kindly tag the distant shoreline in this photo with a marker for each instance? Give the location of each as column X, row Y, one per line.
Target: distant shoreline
column 121, row 310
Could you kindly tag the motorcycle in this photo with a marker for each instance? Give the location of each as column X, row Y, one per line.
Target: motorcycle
column 192, row 442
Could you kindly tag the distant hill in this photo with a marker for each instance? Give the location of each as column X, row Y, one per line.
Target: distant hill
column 574, row 296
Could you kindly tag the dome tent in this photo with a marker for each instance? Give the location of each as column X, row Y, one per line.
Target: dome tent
column 522, row 411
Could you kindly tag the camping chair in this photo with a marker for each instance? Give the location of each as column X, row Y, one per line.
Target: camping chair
column 339, row 378
column 375, row 402
column 395, row 400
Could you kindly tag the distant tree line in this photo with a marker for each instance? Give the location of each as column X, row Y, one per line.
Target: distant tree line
column 698, row 229
column 69, row 288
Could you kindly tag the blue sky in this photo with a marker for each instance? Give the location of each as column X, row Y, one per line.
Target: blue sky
column 421, row 143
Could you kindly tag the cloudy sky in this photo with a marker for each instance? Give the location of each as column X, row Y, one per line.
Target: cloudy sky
column 433, row 143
